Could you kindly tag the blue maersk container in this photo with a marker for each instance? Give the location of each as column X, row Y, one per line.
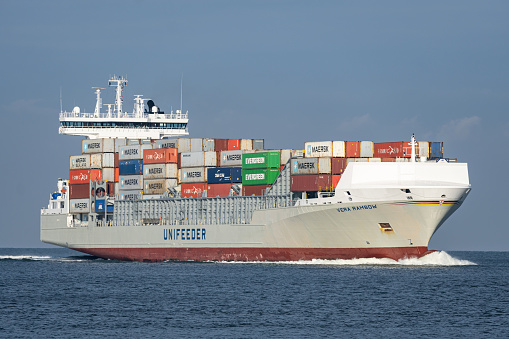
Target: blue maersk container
column 130, row 167
column 436, row 149
column 219, row 175
column 236, row 174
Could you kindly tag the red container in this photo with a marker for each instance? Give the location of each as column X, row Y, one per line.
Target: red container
column 388, row 159
column 335, row 180
column 233, row 144
column 311, row 183
column 116, row 174
column 222, row 190
column 194, row 190
column 115, row 157
column 111, row 189
column 79, row 191
column 220, row 145
column 389, row 149
column 407, row 149
column 84, row 176
column 352, row 149
column 160, row 156
column 254, row 190
column 338, row 165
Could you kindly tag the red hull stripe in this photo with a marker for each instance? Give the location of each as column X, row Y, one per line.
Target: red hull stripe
column 251, row 254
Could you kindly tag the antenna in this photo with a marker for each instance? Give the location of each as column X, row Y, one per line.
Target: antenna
column 99, row 101
column 412, row 143
column 61, row 99
column 181, row 80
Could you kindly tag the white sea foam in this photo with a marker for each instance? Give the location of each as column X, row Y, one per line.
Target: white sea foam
column 24, row 257
column 440, row 258
column 41, row 258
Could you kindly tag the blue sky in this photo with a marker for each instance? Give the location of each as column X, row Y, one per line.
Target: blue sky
column 285, row 71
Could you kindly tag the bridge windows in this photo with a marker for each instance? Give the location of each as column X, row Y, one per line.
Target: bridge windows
column 141, row 124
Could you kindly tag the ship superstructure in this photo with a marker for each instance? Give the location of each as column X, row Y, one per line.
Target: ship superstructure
column 141, row 123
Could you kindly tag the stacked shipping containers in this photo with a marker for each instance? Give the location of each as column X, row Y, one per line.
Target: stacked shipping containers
column 160, row 171
column 130, row 181
column 97, row 163
column 136, row 168
column 210, row 165
column 259, row 171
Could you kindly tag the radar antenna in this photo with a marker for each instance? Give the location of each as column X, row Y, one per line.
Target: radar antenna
column 138, row 105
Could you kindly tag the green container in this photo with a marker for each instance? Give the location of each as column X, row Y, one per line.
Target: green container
column 261, row 160
column 265, row 176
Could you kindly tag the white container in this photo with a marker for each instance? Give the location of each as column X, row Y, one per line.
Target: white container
column 130, row 182
column 402, row 159
column 246, row 144
column 231, row 158
column 131, row 142
column 79, row 206
column 133, row 152
column 210, row 159
column 258, row 144
column 198, row 159
column 192, row 159
column 184, row 145
column 119, row 143
column 302, row 166
column 318, row 149
column 171, row 171
column 423, row 149
column 338, row 149
column 160, row 171
column 108, row 174
column 154, row 171
column 158, row 186
column 374, row 159
column 196, row 145
column 129, row 194
column 98, row 145
column 286, row 155
column 298, row 153
column 80, row 161
column 324, row 165
column 167, row 143
column 208, row 145
column 108, row 160
column 366, row 149
column 194, row 174
column 154, row 186
column 96, row 160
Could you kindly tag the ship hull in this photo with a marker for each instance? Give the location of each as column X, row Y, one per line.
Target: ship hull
column 337, row 231
column 252, row 254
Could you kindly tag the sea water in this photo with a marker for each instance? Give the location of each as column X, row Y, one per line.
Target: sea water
column 61, row 293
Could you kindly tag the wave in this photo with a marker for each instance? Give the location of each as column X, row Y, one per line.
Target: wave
column 439, row 258
column 47, row 258
column 24, row 257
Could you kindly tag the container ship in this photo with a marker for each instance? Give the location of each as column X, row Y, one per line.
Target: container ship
column 141, row 190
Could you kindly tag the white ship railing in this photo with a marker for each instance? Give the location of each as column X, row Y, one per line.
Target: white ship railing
column 172, row 116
